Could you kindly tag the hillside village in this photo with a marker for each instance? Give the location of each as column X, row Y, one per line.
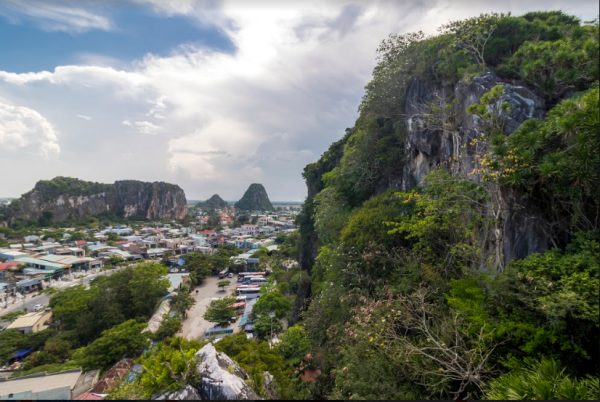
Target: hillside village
column 40, row 258
column 47, row 260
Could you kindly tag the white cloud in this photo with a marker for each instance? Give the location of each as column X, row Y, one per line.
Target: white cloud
column 24, row 131
column 215, row 122
column 84, row 117
column 53, row 17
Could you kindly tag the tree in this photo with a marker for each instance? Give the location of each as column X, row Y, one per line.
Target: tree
column 112, row 236
column 273, row 302
column 10, row 340
column 147, row 284
column 473, row 34
column 115, row 260
column 123, row 340
column 294, row 344
column 182, row 302
column 542, row 380
column 263, row 325
column 166, row 257
column 169, row 327
column 220, row 311
column 77, row 236
column 223, row 284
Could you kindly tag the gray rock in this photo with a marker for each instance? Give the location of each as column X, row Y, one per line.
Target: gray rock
column 222, row 378
column 524, row 229
column 186, row 393
column 156, row 200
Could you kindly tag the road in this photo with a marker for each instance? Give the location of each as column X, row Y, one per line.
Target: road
column 32, row 300
column 195, row 325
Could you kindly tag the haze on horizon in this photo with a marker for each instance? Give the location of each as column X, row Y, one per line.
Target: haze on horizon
column 210, row 96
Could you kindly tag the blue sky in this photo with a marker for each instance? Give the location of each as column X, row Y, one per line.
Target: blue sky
column 211, row 95
column 138, row 31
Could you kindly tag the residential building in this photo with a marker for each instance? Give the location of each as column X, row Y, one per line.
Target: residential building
column 10, row 255
column 251, row 230
column 32, row 322
column 41, row 386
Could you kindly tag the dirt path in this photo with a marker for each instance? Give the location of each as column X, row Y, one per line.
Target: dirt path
column 194, row 325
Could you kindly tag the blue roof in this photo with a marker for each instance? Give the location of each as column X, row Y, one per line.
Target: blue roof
column 21, row 353
column 243, row 320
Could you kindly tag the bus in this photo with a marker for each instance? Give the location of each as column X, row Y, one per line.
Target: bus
column 248, row 291
column 218, row 332
column 242, row 275
column 257, row 280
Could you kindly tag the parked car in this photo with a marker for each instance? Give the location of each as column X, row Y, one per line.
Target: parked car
column 38, row 307
column 230, row 275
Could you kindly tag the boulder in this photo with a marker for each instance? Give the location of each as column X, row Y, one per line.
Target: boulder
column 221, row 377
column 186, row 393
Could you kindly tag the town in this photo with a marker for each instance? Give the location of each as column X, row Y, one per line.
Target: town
column 210, row 250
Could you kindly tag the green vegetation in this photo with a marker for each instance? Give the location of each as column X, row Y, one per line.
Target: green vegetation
column 220, row 312
column 543, row 380
column 254, row 199
column 214, row 202
column 93, row 328
column 410, row 295
column 12, row 316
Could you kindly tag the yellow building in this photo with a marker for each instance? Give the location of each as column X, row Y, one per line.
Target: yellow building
column 32, row 322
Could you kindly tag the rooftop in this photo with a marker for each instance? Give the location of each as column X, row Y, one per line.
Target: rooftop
column 39, row 382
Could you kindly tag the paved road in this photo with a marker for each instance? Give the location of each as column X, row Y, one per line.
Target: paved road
column 32, row 300
column 195, row 325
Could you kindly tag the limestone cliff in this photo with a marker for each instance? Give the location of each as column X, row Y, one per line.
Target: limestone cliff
column 523, row 228
column 255, row 199
column 68, row 197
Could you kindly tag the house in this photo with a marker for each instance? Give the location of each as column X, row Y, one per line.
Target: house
column 121, row 231
column 209, row 234
column 32, row 322
column 263, row 220
column 31, row 238
column 41, row 386
column 113, row 376
column 11, row 255
column 251, row 230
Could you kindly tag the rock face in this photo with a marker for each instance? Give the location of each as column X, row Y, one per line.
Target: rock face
column 255, row 198
column 66, row 197
column 522, row 231
column 185, row 393
column 222, row 378
column 214, row 202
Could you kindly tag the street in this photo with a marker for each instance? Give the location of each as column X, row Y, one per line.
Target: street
column 195, row 325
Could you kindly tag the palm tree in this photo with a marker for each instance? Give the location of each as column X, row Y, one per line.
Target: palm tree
column 542, row 380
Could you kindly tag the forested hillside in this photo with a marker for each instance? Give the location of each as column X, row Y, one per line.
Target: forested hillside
column 452, row 234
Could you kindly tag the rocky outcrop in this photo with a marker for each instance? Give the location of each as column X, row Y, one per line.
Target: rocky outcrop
column 255, row 199
column 185, row 393
column 66, row 197
column 221, row 377
column 523, row 228
column 214, row 202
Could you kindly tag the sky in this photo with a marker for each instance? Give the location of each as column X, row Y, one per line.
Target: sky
column 209, row 95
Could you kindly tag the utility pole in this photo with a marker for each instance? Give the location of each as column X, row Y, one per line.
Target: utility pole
column 271, row 314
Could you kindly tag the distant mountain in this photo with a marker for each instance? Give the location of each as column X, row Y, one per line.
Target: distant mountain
column 62, row 197
column 255, row 199
column 214, row 202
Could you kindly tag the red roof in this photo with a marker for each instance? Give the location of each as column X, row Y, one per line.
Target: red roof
column 88, row 396
column 122, row 242
column 7, row 265
column 212, row 232
column 81, row 242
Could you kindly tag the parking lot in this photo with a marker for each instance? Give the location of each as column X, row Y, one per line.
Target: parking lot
column 195, row 325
